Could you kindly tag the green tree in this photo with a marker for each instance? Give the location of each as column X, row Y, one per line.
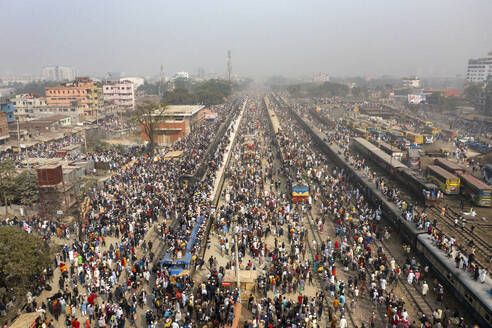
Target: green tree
column 37, row 87
column 212, row 92
column 7, row 173
column 26, row 188
column 148, row 116
column 179, row 96
column 294, row 90
column 22, row 257
column 149, row 88
column 182, row 83
column 360, row 92
column 472, row 92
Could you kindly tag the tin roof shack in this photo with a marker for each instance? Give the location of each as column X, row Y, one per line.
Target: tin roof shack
column 71, row 150
column 49, row 123
column 54, row 195
column 247, row 279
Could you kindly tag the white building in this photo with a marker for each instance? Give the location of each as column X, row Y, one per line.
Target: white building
column 121, row 94
column 479, row 69
column 181, row 75
column 137, row 81
column 321, row 77
column 58, row 73
column 411, row 82
column 28, row 106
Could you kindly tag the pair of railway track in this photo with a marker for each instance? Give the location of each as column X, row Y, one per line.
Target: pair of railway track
column 483, row 248
column 317, row 238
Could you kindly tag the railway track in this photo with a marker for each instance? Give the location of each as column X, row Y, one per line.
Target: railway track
column 317, row 238
column 416, row 296
column 466, row 236
column 483, row 248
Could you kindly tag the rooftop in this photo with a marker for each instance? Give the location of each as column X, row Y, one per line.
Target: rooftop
column 183, row 110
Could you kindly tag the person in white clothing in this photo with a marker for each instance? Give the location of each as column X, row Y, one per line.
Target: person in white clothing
column 410, row 277
column 343, row 322
column 425, row 288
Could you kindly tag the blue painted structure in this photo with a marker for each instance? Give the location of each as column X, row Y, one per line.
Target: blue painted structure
column 7, row 107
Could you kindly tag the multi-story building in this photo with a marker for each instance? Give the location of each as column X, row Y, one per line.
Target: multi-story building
column 82, row 93
column 137, row 81
column 479, row 69
column 27, row 104
column 7, row 107
column 4, row 128
column 181, row 75
column 412, row 82
column 121, row 94
column 321, row 77
column 58, row 73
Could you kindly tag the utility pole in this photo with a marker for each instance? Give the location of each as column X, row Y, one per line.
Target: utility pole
column 18, row 133
column 85, row 140
column 237, row 264
column 161, row 86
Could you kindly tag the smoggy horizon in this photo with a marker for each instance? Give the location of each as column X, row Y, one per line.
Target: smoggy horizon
column 356, row 38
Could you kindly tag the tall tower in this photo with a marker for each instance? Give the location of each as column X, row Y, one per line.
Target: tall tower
column 229, row 64
column 161, row 82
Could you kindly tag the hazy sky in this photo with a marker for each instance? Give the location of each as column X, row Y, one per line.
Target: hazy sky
column 267, row 37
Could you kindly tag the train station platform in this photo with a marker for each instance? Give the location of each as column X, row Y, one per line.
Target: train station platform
column 223, row 165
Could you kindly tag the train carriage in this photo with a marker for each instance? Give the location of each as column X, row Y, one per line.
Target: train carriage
column 448, row 182
column 384, row 160
column 413, row 159
column 414, row 138
column 423, row 189
column 391, row 150
column 449, row 166
column 478, row 191
column 300, row 193
column 473, row 294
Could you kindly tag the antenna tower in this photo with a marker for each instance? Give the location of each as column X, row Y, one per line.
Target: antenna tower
column 229, row 64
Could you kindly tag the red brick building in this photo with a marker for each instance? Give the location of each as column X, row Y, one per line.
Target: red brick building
column 177, row 122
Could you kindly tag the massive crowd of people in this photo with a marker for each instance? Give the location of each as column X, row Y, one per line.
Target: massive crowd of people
column 461, row 253
column 110, row 266
column 109, row 272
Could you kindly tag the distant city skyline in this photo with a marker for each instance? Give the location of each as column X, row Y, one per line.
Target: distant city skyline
column 267, row 38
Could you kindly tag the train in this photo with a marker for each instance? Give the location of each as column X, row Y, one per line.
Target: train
column 472, row 294
column 177, row 266
column 475, row 296
column 421, row 188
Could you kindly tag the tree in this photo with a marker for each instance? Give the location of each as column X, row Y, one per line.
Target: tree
column 295, row 90
column 149, row 88
column 182, row 83
column 360, row 92
column 26, row 188
column 7, row 173
column 148, row 115
column 212, row 92
column 37, row 88
column 179, row 96
column 22, row 257
column 472, row 92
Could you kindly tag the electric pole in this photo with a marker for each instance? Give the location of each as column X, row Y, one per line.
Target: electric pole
column 161, row 81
